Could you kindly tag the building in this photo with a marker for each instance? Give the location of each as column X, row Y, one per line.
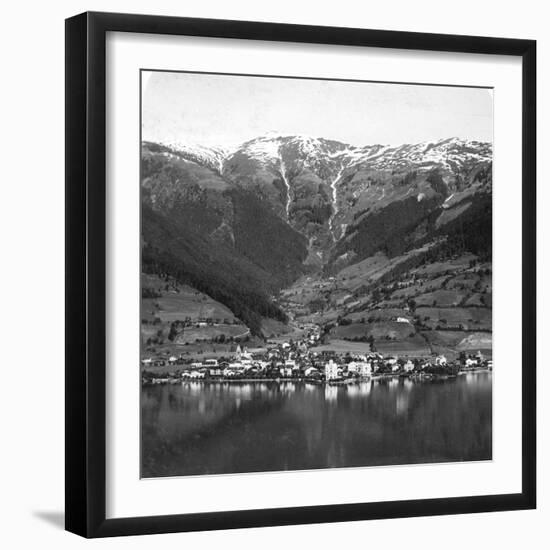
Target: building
column 440, row 360
column 286, row 371
column 364, row 369
column 311, row 371
column 331, row 370
column 408, row 366
column 353, row 367
column 242, row 354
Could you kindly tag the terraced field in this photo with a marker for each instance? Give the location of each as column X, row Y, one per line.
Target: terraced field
column 194, row 334
column 440, row 307
column 166, row 302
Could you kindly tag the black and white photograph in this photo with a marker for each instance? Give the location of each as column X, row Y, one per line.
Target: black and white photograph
column 316, row 280
column 273, row 256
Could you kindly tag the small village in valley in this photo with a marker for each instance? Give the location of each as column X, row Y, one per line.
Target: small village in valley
column 300, row 360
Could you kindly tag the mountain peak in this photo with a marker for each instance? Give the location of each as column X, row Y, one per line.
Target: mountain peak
column 279, row 150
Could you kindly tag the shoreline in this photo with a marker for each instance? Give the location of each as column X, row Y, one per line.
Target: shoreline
column 415, row 376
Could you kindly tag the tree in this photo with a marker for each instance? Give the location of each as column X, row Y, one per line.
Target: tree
column 173, row 332
column 370, row 340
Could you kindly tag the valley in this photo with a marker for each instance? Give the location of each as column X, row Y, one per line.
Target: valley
column 380, row 249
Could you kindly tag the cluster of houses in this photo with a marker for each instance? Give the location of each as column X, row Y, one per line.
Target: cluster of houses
column 296, row 361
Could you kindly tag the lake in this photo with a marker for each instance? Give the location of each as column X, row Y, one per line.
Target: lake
column 228, row 427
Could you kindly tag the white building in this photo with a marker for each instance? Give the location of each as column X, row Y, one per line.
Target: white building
column 331, row 370
column 242, row 354
column 408, row 366
column 353, row 367
column 440, row 360
column 286, row 371
column 310, row 371
column 364, row 369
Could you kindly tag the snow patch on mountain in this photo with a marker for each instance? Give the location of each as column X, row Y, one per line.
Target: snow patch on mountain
column 287, row 185
column 449, row 153
column 265, row 149
column 334, row 190
column 211, row 157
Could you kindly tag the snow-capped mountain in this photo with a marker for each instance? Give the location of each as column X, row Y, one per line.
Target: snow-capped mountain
column 326, row 189
column 211, row 157
column 452, row 154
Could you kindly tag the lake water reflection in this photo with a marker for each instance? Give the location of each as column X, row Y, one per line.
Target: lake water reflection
column 228, row 427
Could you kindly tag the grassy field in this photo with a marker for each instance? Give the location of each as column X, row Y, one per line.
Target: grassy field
column 451, row 342
column 389, row 329
column 441, row 298
column 272, row 328
column 342, row 346
column 476, row 299
column 377, row 266
column 381, row 314
column 410, row 347
column 192, row 334
column 173, row 302
column 449, row 267
column 193, row 304
column 420, row 288
column 467, row 318
column 195, row 351
column 176, row 302
column 463, row 281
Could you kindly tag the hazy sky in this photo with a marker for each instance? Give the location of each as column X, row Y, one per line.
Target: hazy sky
column 228, row 110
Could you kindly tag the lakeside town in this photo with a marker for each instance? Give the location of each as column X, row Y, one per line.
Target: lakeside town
column 300, row 360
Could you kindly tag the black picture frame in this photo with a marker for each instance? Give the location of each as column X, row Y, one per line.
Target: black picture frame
column 86, row 263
